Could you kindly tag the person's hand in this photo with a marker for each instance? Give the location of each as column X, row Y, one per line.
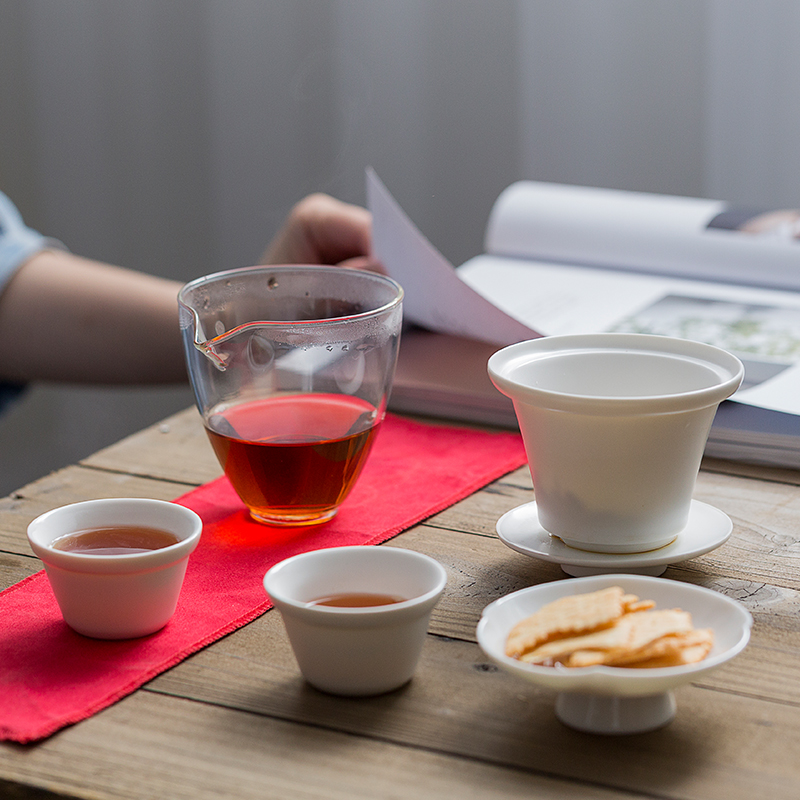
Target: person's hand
column 323, row 230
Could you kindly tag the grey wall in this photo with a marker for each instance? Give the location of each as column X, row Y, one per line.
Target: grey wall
column 173, row 135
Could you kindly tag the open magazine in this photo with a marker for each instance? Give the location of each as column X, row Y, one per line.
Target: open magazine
column 566, row 259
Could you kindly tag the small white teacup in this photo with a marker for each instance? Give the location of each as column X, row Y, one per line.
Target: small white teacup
column 116, row 596
column 614, row 427
column 356, row 649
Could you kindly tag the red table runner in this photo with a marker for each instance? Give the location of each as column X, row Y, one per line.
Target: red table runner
column 51, row 676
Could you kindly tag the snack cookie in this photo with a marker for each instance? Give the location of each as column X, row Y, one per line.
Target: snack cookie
column 611, row 628
column 572, row 615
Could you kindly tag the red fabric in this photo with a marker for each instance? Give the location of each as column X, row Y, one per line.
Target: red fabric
column 51, row 677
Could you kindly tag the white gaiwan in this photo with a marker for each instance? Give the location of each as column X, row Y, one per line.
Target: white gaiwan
column 616, row 700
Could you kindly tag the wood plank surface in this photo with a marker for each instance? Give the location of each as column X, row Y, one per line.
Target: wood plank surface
column 195, row 751
column 237, row 720
column 174, row 450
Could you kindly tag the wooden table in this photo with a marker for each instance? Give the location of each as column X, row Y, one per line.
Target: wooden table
column 236, row 719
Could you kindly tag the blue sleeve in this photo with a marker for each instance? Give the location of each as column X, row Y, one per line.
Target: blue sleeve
column 17, row 244
column 17, row 241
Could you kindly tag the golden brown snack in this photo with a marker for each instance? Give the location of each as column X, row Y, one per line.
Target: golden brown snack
column 570, row 615
column 610, row 628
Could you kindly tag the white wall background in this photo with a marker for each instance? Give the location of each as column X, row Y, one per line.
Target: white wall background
column 174, row 135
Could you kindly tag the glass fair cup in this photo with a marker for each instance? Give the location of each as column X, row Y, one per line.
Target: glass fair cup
column 359, row 650
column 292, row 367
column 614, row 427
column 116, row 596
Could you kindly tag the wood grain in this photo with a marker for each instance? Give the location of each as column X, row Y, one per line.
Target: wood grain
column 237, row 720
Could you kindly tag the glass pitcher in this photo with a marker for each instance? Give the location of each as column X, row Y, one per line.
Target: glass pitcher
column 291, row 368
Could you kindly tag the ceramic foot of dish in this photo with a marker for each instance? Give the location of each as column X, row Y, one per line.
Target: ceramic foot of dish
column 582, row 572
column 593, row 713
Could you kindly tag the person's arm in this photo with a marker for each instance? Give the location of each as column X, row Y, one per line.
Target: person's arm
column 65, row 318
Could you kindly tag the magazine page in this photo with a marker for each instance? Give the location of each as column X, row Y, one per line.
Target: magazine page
column 640, row 232
column 435, row 297
column 779, row 393
column 500, row 300
column 761, row 326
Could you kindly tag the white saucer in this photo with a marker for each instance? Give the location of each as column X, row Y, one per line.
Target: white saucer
column 707, row 529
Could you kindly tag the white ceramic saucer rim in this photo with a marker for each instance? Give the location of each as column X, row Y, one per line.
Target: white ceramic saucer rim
column 714, row 523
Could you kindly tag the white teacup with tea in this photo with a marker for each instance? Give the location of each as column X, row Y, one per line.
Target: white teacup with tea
column 116, row 564
column 357, row 617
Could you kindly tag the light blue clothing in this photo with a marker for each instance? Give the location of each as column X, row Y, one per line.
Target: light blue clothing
column 17, row 241
column 17, row 244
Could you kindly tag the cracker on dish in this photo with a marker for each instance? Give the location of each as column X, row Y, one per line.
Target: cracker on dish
column 608, row 627
column 572, row 615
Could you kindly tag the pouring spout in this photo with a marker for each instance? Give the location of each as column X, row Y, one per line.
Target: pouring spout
column 194, row 335
column 218, row 359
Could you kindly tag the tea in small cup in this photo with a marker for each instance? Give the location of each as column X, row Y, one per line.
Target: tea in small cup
column 116, row 565
column 614, row 427
column 356, row 617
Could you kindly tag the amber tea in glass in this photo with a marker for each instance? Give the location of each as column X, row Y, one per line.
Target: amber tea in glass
column 292, row 368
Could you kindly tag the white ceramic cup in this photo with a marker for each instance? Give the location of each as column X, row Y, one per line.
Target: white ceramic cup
column 363, row 650
column 614, row 427
column 116, row 596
